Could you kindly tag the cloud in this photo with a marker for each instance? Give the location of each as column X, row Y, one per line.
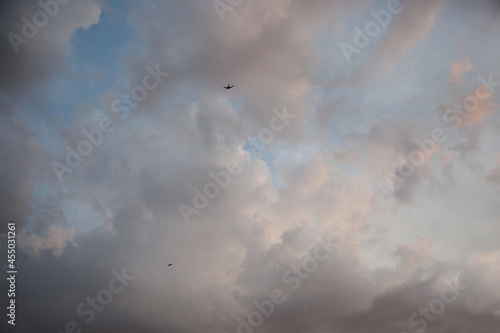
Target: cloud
column 458, row 69
column 23, row 72
column 493, row 175
column 406, row 30
column 55, row 240
column 322, row 172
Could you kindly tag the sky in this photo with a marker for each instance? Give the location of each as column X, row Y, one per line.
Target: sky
column 349, row 182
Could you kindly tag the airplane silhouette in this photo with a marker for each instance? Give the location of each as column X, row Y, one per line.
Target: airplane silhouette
column 229, row 86
column 169, row 264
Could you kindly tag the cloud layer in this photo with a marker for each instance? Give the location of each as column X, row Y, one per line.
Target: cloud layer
column 414, row 228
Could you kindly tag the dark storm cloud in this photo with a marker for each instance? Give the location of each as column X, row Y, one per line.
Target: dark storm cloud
column 22, row 78
column 43, row 49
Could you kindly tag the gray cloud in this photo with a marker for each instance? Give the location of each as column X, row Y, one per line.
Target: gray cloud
column 236, row 251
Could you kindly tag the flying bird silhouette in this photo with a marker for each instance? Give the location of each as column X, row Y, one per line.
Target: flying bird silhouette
column 229, row 86
column 169, row 264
